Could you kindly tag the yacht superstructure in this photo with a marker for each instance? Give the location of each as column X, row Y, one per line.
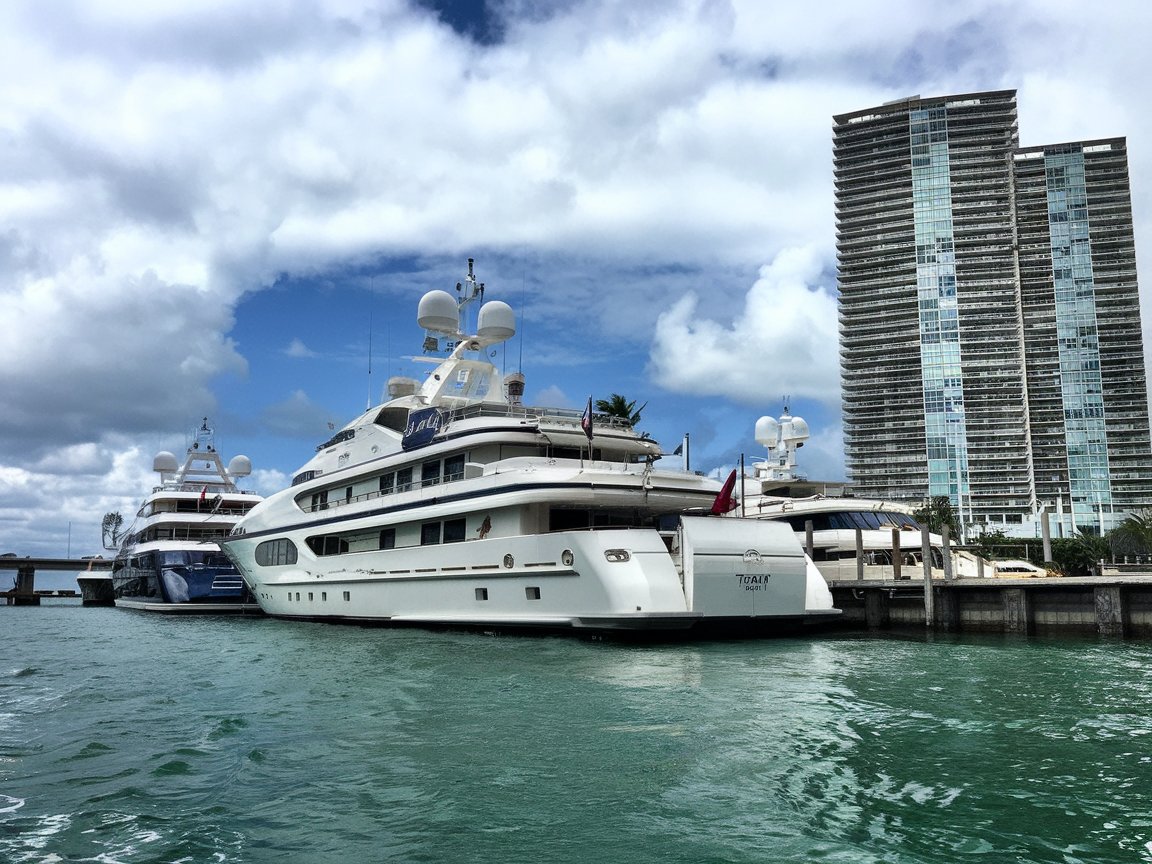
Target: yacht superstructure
column 454, row 504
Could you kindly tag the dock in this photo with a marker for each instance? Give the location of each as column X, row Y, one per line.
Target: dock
column 1114, row 604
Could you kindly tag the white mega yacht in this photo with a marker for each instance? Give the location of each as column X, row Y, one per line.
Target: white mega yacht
column 452, row 504
column 889, row 533
column 169, row 559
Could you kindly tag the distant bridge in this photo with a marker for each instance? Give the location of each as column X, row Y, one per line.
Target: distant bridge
column 23, row 592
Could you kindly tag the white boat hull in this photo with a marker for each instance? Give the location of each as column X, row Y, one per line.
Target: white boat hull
column 713, row 574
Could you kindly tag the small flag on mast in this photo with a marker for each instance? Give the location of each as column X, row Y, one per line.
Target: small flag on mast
column 586, row 420
column 724, row 502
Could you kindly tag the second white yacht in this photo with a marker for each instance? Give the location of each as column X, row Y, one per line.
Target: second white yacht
column 889, row 533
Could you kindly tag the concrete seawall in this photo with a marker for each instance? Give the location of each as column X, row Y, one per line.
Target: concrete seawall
column 1108, row 606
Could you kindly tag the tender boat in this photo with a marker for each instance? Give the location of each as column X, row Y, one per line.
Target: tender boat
column 96, row 587
column 170, row 560
column 453, row 504
column 890, row 536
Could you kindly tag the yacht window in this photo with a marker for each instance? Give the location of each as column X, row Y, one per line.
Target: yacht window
column 429, row 533
column 328, row 545
column 567, row 520
column 403, row 479
column 532, row 593
column 481, row 593
column 388, row 483
column 272, row 553
column 574, row 453
column 430, row 473
column 320, row 500
column 454, row 530
column 348, row 495
column 388, row 538
column 454, row 468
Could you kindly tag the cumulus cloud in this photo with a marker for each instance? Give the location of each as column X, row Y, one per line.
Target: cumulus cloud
column 784, row 341
column 631, row 165
column 296, row 348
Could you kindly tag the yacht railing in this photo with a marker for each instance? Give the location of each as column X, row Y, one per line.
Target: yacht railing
column 514, row 464
column 571, row 416
column 198, row 488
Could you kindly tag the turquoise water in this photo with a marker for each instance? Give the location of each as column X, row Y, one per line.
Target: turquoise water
column 126, row 737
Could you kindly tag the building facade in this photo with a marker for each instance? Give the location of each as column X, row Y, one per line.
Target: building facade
column 989, row 316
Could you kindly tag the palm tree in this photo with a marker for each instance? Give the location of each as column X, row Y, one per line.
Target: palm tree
column 110, row 529
column 618, row 406
column 938, row 512
column 1133, row 536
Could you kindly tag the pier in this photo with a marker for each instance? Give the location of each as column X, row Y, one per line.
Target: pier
column 23, row 592
column 1114, row 604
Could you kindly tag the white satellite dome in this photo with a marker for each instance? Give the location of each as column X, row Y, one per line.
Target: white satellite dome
column 798, row 431
column 496, row 322
column 240, row 466
column 438, row 312
column 767, row 432
column 165, row 462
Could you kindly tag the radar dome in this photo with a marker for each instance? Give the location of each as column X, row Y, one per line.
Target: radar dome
column 240, row 466
column 438, row 312
column 496, row 323
column 767, row 432
column 165, row 462
column 796, row 430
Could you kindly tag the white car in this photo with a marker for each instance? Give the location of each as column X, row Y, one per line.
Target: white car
column 1018, row 569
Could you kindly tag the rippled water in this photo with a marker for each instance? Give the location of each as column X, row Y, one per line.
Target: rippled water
column 126, row 737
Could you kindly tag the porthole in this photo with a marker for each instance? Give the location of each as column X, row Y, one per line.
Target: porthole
column 567, row 557
column 509, row 561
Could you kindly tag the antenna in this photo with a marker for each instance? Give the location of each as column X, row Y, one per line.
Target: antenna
column 369, row 405
column 523, row 320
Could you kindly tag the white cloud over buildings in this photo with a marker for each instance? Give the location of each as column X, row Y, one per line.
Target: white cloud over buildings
column 164, row 160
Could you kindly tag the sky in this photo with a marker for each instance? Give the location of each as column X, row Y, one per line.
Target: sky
column 231, row 210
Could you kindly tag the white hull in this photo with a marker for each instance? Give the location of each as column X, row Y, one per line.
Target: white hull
column 722, row 573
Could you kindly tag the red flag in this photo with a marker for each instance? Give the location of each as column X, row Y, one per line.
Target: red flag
column 724, row 502
column 586, row 420
column 203, row 494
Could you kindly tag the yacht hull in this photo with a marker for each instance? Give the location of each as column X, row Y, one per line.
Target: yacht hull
column 710, row 575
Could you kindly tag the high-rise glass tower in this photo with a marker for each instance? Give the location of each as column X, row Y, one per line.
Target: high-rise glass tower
column 989, row 316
